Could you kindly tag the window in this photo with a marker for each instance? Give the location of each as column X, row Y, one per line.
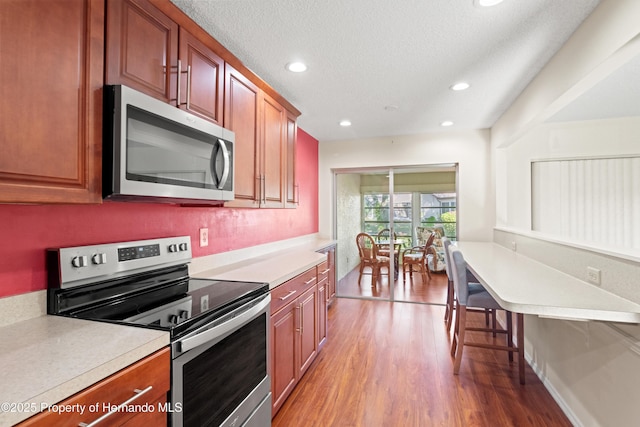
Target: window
column 433, row 209
column 439, row 208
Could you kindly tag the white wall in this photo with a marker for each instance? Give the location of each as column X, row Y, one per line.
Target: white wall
column 593, row 369
column 348, row 209
column 471, row 150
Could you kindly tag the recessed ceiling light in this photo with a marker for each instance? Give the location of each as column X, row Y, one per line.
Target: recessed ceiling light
column 446, row 123
column 345, row 123
column 460, row 86
column 487, row 3
column 296, row 67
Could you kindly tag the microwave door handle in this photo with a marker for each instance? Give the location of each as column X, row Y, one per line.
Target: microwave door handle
column 225, row 157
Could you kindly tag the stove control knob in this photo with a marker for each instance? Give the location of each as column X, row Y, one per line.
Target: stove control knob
column 183, row 314
column 79, row 261
column 183, row 247
column 173, row 247
column 98, row 259
column 173, row 319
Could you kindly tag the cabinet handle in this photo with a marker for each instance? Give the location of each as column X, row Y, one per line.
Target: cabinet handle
column 299, row 308
column 178, row 90
column 137, row 394
column 325, row 271
column 180, row 72
column 310, row 280
column 301, row 318
column 264, row 189
column 188, row 87
column 287, row 296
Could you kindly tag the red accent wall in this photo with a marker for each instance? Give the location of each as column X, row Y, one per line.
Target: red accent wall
column 26, row 231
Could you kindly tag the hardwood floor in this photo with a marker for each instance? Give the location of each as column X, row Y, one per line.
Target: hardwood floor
column 388, row 364
column 434, row 291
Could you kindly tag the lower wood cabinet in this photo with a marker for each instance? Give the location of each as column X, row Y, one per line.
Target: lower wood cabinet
column 328, row 270
column 298, row 328
column 145, row 383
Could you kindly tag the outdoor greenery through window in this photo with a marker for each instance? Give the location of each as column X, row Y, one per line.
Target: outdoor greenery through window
column 409, row 211
column 439, row 208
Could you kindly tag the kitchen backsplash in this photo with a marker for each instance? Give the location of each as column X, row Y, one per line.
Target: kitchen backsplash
column 27, row 231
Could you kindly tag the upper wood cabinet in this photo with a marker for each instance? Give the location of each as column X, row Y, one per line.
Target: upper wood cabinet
column 203, row 82
column 273, row 152
column 292, row 189
column 142, row 49
column 262, row 142
column 51, row 68
column 241, row 114
column 148, row 51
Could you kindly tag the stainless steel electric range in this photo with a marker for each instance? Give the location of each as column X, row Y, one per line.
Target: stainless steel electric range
column 219, row 329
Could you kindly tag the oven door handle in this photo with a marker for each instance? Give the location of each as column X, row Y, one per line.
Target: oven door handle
column 210, row 334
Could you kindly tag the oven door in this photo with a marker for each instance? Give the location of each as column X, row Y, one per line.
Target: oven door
column 219, row 372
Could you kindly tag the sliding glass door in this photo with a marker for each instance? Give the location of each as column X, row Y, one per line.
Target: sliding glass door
column 391, row 205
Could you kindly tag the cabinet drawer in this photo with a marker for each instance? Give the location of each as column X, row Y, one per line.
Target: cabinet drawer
column 323, row 270
column 292, row 289
column 284, row 294
column 150, row 376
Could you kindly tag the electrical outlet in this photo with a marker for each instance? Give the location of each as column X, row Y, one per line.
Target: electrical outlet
column 514, row 246
column 204, row 237
column 593, row 275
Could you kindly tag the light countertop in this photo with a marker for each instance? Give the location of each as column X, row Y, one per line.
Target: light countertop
column 523, row 285
column 273, row 268
column 46, row 359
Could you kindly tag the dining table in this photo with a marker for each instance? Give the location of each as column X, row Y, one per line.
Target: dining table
column 397, row 247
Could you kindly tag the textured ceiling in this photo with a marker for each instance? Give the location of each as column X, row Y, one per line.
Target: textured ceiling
column 364, row 55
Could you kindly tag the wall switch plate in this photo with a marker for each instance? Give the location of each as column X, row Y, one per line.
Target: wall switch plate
column 204, row 303
column 204, row 237
column 593, row 275
column 514, row 246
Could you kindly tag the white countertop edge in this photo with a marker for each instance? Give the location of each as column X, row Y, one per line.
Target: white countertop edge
column 564, row 312
column 232, row 259
column 274, row 271
column 74, row 383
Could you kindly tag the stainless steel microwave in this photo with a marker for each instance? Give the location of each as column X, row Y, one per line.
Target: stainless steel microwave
column 154, row 151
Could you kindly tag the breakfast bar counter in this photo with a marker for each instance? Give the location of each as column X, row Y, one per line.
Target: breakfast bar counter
column 523, row 285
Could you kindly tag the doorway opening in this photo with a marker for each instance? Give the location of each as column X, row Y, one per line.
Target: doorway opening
column 396, row 207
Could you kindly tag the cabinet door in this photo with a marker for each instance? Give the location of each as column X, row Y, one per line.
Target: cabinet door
column 241, row 116
column 146, row 381
column 322, row 312
column 142, row 49
column 272, row 152
column 51, row 58
column 292, row 189
column 202, row 78
column 284, row 326
column 308, row 311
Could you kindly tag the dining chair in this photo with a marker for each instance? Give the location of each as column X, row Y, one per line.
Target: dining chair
column 418, row 257
column 369, row 257
column 474, row 286
column 481, row 299
column 385, row 249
